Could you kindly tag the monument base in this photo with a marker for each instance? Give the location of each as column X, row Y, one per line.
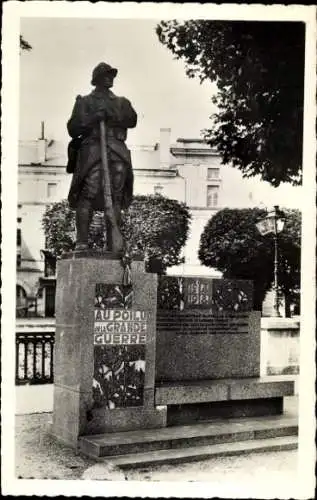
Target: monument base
column 117, row 421
column 104, row 370
column 197, row 441
column 202, row 412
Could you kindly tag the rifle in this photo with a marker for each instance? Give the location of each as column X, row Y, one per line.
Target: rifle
column 110, row 217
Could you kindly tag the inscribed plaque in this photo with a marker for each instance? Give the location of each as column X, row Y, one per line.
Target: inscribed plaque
column 119, row 339
column 197, row 293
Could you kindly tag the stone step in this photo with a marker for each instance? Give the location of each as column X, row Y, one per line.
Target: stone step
column 184, row 436
column 198, row 453
column 203, row 391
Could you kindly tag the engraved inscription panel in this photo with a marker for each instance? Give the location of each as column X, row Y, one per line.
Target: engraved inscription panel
column 194, row 323
column 119, row 338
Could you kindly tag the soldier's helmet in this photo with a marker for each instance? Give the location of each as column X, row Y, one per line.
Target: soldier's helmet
column 102, row 69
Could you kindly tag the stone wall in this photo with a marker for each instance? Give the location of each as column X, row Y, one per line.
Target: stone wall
column 280, row 346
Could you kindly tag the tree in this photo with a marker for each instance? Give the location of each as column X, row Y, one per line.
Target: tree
column 259, row 71
column 24, row 45
column 154, row 226
column 157, row 227
column 231, row 243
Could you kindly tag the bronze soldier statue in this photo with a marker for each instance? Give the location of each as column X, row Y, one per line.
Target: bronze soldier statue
column 100, row 118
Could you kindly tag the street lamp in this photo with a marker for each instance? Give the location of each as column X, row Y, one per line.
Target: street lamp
column 273, row 222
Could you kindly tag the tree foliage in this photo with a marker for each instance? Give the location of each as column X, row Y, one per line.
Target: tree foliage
column 259, row 71
column 24, row 44
column 154, row 227
column 157, row 227
column 59, row 228
column 231, row 243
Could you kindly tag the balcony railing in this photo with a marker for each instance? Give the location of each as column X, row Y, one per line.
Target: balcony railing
column 34, row 358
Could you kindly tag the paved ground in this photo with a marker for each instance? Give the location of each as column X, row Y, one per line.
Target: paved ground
column 33, row 399
column 278, row 466
column 38, row 456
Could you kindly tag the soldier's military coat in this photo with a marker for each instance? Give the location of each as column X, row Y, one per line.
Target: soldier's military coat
column 83, row 122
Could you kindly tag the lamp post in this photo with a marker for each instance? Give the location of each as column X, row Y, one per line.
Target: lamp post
column 273, row 222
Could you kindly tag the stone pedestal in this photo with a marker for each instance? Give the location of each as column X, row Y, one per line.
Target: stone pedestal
column 280, row 346
column 108, row 376
column 104, row 375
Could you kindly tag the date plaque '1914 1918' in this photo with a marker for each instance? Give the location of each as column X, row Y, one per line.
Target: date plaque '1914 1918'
column 218, row 295
column 210, row 306
column 120, row 335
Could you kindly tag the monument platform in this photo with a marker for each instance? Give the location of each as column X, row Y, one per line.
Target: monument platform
column 195, row 442
column 141, row 384
column 204, row 391
column 194, row 401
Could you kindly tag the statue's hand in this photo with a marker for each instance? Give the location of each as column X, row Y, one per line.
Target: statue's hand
column 100, row 115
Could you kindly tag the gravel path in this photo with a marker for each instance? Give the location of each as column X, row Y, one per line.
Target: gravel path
column 254, row 467
column 37, row 456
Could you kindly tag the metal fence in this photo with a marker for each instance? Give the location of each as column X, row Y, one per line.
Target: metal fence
column 34, row 358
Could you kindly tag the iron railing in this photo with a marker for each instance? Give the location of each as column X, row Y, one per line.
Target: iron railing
column 34, row 354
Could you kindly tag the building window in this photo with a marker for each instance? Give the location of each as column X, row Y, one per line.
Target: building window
column 19, row 220
column 49, row 266
column 212, row 173
column 212, row 196
column 19, row 237
column 18, row 260
column 21, row 302
column 51, row 189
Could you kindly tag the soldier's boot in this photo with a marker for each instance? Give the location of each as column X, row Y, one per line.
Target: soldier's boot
column 84, row 215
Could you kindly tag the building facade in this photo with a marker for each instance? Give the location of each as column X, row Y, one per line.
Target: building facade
column 188, row 171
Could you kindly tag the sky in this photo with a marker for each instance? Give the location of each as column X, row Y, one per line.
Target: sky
column 60, row 64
